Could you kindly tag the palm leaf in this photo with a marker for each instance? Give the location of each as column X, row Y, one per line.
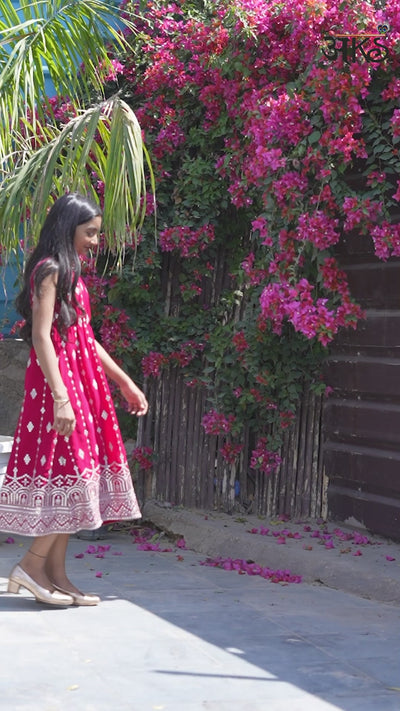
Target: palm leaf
column 64, row 164
column 40, row 160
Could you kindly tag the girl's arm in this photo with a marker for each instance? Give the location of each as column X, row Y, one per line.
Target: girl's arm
column 136, row 399
column 42, row 319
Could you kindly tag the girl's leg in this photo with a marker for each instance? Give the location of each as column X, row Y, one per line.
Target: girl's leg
column 34, row 560
column 31, row 573
column 55, row 564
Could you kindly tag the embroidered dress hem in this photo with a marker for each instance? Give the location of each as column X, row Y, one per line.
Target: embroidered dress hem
column 96, row 497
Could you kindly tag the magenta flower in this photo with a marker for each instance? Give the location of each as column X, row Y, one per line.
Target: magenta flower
column 240, row 342
column 216, row 423
column 244, row 567
column 91, row 549
column 149, row 547
column 10, row 539
column 263, row 458
column 99, row 574
column 79, row 555
column 152, row 364
column 230, row 451
column 187, row 241
column 143, row 457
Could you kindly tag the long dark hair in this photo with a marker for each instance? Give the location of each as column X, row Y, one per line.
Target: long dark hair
column 55, row 253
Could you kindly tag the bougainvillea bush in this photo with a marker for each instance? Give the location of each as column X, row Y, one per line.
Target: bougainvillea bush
column 255, row 136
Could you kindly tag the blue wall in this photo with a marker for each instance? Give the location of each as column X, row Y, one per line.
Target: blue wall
column 8, row 280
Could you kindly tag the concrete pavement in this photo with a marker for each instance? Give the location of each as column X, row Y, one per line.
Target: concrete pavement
column 173, row 635
column 334, row 554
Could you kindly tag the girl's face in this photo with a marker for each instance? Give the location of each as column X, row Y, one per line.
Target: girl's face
column 86, row 237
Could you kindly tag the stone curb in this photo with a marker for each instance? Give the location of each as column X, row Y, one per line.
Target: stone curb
column 212, row 534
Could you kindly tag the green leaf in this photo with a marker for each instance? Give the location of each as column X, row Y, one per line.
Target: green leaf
column 314, row 137
column 40, row 160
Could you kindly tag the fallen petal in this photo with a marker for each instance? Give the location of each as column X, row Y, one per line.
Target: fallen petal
column 91, row 549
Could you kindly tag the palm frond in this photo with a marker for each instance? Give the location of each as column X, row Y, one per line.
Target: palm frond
column 67, row 161
column 40, row 160
column 58, row 36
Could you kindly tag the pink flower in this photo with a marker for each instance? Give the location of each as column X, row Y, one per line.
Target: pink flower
column 263, row 458
column 188, row 242
column 99, row 574
column 230, row 451
column 142, row 456
column 395, row 121
column 152, row 364
column 243, row 567
column 91, row 549
column 389, row 557
column 216, row 423
column 79, row 555
column 115, row 69
column 240, row 342
column 10, row 539
column 396, row 195
column 318, row 228
column 386, row 238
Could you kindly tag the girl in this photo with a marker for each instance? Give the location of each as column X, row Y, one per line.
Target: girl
column 68, row 469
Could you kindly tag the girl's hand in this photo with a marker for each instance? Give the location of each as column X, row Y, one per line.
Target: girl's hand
column 137, row 402
column 64, row 418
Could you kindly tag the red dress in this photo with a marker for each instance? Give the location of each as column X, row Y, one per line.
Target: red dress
column 58, row 484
